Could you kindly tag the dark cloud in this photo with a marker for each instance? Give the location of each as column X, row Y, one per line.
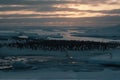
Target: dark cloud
column 52, row 9
column 105, row 20
column 12, row 8
column 31, row 2
column 17, row 16
column 47, row 5
column 114, row 11
column 37, row 2
column 27, row 7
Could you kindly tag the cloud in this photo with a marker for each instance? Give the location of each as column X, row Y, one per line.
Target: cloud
column 37, row 2
column 31, row 2
column 59, row 12
column 113, row 11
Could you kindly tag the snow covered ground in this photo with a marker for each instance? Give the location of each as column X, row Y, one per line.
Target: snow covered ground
column 79, row 65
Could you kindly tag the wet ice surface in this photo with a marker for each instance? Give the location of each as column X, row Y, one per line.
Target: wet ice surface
column 80, row 66
column 41, row 62
column 105, row 66
column 49, row 70
column 81, row 61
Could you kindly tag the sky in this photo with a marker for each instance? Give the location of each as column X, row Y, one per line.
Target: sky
column 59, row 12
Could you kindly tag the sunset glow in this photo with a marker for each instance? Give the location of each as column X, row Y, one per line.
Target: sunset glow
column 73, row 9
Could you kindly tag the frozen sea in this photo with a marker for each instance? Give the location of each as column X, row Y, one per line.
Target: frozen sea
column 77, row 68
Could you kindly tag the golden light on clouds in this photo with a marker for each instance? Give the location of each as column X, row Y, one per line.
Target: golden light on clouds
column 58, row 14
column 88, row 7
column 74, row 9
column 69, row 10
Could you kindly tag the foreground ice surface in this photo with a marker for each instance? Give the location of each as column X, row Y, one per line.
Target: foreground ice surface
column 50, row 71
